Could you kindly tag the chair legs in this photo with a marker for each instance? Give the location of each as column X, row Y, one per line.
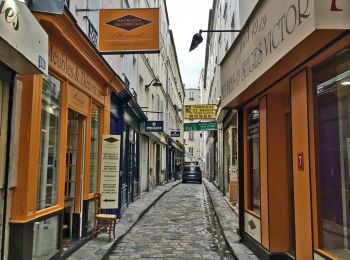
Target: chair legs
column 108, row 227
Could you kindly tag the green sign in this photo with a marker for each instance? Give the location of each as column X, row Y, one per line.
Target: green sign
column 200, row 126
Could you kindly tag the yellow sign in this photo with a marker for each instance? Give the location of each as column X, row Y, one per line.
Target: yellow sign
column 129, row 30
column 200, row 112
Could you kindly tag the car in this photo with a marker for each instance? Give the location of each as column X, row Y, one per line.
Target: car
column 192, row 173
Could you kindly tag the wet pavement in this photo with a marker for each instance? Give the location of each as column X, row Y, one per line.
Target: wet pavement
column 181, row 225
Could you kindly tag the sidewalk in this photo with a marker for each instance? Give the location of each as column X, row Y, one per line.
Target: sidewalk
column 99, row 248
column 228, row 221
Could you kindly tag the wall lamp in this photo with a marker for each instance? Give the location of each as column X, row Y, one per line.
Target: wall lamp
column 197, row 38
column 155, row 82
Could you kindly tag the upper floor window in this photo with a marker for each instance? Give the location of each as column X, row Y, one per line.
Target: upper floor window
column 191, row 96
column 190, row 136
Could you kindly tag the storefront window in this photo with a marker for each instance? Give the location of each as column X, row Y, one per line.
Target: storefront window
column 254, row 160
column 95, row 133
column 332, row 87
column 45, row 239
column 49, row 137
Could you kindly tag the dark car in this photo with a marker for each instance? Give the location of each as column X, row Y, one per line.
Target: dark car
column 192, row 173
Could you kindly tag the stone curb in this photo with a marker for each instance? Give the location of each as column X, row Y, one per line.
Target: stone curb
column 227, row 223
column 126, row 223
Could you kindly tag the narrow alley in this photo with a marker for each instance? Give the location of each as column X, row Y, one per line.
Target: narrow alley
column 182, row 224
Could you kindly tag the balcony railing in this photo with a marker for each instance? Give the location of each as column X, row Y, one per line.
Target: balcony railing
column 92, row 32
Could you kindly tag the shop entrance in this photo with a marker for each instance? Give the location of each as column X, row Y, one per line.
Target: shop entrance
column 75, row 154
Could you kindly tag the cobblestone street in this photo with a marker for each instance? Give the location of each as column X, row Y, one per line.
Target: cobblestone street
column 181, row 225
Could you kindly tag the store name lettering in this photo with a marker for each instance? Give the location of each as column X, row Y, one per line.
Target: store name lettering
column 284, row 26
column 61, row 61
column 79, row 101
column 10, row 14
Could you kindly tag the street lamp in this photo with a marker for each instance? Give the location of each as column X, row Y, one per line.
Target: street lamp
column 197, row 38
column 155, row 82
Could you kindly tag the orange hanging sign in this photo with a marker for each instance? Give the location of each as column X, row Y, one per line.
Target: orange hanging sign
column 129, row 30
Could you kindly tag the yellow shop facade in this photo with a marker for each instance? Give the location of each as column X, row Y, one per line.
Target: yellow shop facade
column 63, row 116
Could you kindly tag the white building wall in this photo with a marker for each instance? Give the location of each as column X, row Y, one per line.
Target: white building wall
column 139, row 70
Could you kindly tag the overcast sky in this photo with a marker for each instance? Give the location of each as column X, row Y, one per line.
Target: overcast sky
column 186, row 18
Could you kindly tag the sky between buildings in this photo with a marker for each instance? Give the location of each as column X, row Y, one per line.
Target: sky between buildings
column 186, row 18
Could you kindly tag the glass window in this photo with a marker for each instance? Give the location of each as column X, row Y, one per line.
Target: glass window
column 254, row 160
column 94, row 147
column 332, row 90
column 49, row 140
column 45, row 238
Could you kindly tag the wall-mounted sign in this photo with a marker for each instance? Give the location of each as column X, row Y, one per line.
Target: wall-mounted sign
column 129, row 30
column 189, row 127
column 109, row 185
column 63, row 62
column 200, row 112
column 175, row 133
column 274, row 29
column 154, row 126
column 24, row 43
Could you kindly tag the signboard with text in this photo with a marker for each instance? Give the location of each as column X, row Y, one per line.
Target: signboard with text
column 154, row 126
column 129, row 30
column 200, row 112
column 273, row 30
column 175, row 133
column 109, row 185
column 189, row 127
column 24, row 43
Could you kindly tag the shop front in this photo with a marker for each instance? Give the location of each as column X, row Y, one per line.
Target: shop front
column 231, row 157
column 63, row 118
column 23, row 50
column 288, row 77
column 130, row 186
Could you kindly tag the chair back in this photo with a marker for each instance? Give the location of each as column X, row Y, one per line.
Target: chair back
column 97, row 200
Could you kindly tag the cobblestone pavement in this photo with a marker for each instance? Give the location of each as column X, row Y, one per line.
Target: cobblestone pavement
column 181, row 225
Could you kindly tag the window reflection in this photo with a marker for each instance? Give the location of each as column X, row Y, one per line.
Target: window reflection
column 49, row 137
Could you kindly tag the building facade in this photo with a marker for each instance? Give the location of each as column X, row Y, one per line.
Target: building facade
column 193, row 138
column 68, row 107
column 23, row 50
column 221, row 158
column 284, row 84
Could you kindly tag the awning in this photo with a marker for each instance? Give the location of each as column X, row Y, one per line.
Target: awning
column 23, row 42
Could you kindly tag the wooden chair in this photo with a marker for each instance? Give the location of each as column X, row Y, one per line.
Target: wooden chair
column 103, row 222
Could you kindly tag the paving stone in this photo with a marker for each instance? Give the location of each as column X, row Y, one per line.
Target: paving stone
column 181, row 225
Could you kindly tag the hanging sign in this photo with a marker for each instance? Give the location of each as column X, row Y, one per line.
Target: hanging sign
column 189, row 127
column 109, row 186
column 200, row 112
column 175, row 133
column 129, row 30
column 154, row 126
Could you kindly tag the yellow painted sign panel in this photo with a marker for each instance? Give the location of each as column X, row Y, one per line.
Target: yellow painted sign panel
column 200, row 112
column 129, row 30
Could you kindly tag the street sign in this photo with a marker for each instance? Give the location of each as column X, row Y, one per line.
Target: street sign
column 175, row 133
column 200, row 126
column 154, row 126
column 110, row 171
column 200, row 112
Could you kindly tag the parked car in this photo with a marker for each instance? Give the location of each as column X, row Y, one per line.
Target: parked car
column 192, row 173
